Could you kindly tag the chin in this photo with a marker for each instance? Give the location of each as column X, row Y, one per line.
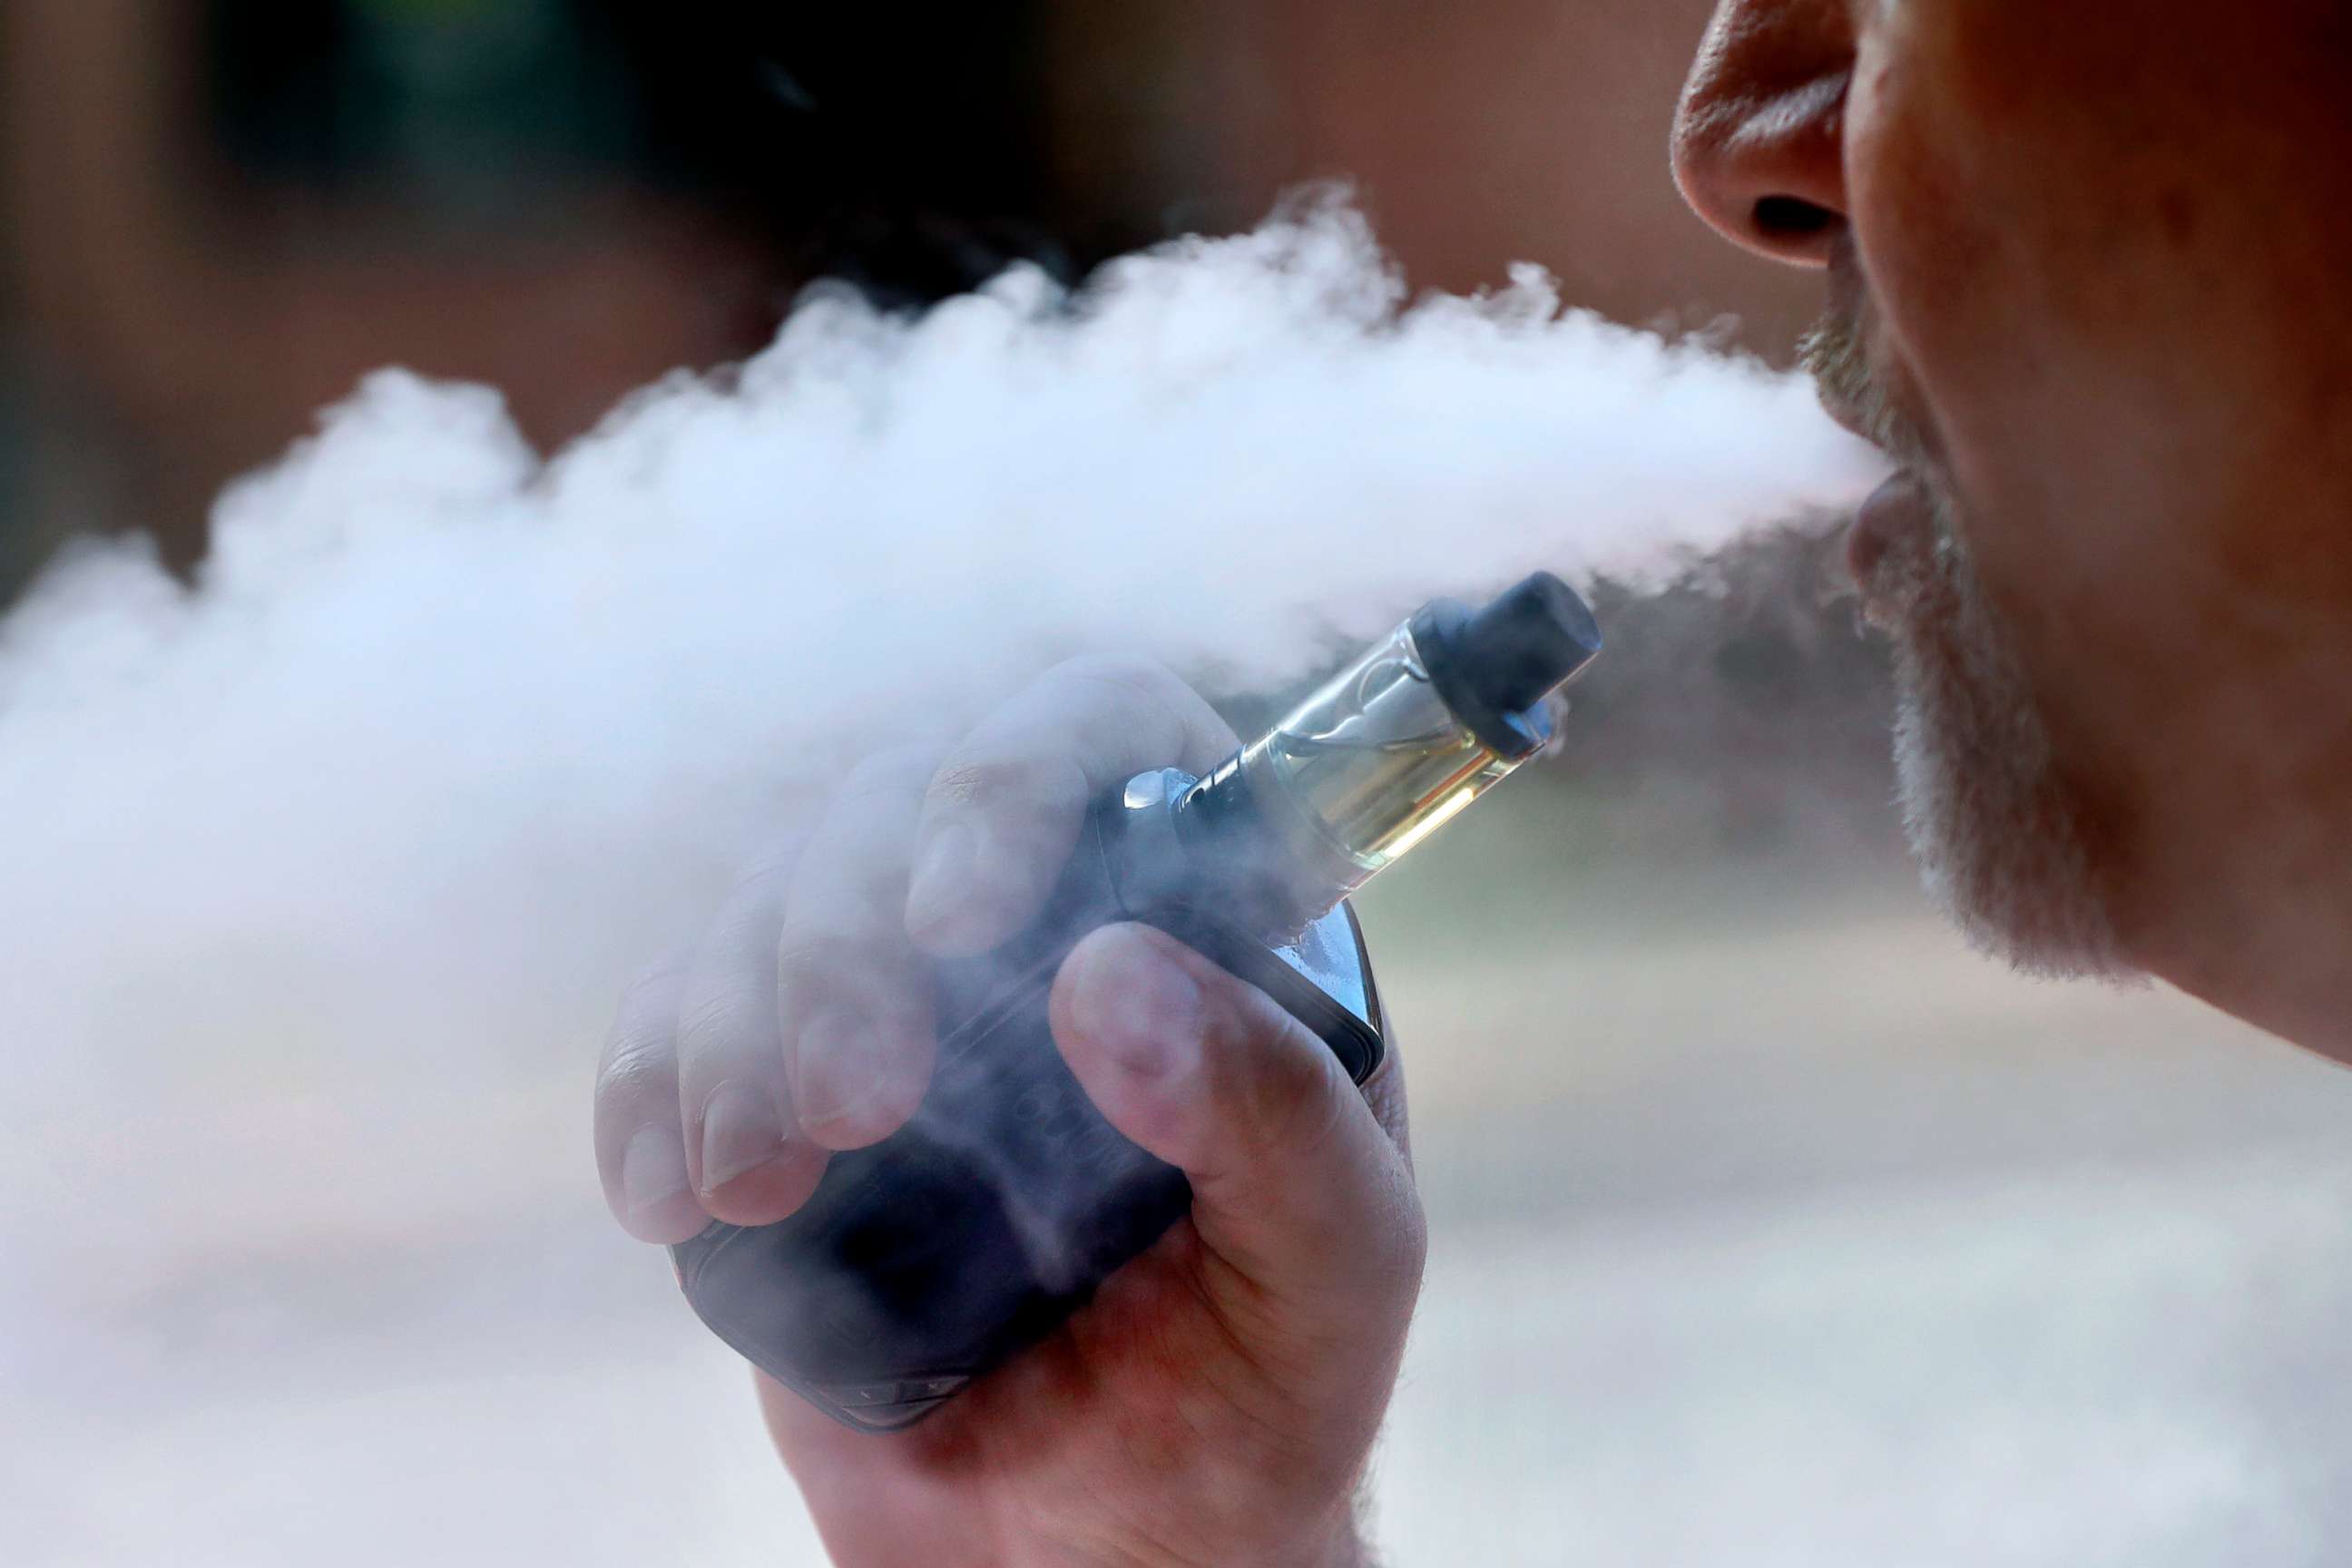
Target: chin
column 1997, row 836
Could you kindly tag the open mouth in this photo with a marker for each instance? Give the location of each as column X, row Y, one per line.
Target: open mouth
column 1899, row 519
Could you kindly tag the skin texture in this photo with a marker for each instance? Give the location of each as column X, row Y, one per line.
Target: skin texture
column 1215, row 1403
column 2089, row 256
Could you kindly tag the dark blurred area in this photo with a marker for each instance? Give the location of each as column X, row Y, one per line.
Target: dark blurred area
column 220, row 212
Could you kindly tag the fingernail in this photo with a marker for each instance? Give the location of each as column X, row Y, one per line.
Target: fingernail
column 741, row 1132
column 943, row 877
column 1145, row 1011
column 653, row 1169
column 834, row 1070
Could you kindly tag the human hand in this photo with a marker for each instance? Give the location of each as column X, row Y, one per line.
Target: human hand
column 1215, row 1403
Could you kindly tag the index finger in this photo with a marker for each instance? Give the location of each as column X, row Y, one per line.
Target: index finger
column 1003, row 811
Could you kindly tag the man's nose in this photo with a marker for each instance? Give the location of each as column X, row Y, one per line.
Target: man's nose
column 1759, row 140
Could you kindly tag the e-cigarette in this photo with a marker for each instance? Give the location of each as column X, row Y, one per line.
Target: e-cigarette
column 928, row 1259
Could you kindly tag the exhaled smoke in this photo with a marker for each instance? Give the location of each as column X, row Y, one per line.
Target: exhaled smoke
column 448, row 738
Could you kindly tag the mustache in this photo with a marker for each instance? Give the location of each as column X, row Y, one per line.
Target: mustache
column 1833, row 353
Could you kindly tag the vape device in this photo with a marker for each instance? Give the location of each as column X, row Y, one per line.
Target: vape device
column 925, row 1259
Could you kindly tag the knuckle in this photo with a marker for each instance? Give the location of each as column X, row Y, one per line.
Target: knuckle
column 804, row 958
column 853, row 899
column 1126, row 675
column 638, row 1064
column 1007, row 784
column 655, row 982
column 772, row 863
column 891, row 771
column 639, row 1042
column 1162, row 715
column 714, row 1022
column 885, row 986
column 812, row 963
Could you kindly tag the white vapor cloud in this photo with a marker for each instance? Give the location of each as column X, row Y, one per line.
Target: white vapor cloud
column 445, row 737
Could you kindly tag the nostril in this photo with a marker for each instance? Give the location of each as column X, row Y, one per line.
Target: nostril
column 1782, row 219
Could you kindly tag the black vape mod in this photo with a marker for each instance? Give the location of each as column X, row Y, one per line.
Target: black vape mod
column 931, row 1257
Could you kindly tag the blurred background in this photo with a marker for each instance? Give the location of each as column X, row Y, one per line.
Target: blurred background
column 1771, row 1227
column 221, row 212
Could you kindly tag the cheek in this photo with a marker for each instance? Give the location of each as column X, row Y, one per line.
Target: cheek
column 1978, row 232
column 1940, row 232
column 2108, row 256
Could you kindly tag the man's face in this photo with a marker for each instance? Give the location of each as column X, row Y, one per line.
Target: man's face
column 2087, row 268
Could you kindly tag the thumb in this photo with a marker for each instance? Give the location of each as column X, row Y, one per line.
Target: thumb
column 1296, row 1188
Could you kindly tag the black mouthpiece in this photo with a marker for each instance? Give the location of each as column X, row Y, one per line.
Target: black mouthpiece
column 1495, row 665
column 1524, row 644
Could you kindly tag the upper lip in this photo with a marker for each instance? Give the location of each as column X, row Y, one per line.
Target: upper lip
column 1848, row 299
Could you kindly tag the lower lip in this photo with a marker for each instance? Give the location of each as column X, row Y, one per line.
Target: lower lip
column 1898, row 508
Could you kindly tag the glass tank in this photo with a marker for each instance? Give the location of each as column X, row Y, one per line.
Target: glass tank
column 1377, row 759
